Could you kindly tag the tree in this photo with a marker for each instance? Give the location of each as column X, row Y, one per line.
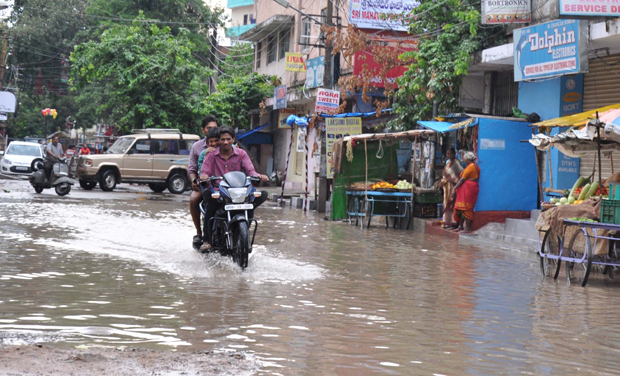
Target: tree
column 235, row 96
column 449, row 35
column 147, row 77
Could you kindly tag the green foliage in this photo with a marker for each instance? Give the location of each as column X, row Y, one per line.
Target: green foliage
column 235, row 96
column 449, row 34
column 146, row 76
column 239, row 60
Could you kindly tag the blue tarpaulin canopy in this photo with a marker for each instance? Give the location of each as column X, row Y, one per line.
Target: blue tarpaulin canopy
column 356, row 114
column 443, row 127
column 253, row 137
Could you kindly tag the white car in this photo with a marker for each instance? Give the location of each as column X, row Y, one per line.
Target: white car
column 18, row 157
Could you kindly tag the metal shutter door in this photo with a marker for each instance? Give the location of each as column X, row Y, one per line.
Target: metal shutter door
column 601, row 87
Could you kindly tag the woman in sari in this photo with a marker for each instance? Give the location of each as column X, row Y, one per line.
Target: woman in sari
column 466, row 194
column 451, row 174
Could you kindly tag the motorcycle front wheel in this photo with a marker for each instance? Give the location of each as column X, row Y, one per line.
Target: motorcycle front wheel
column 241, row 243
column 62, row 189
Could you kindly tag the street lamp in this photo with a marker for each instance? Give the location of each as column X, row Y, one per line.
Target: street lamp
column 48, row 112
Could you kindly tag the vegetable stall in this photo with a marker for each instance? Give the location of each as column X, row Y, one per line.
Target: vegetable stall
column 582, row 227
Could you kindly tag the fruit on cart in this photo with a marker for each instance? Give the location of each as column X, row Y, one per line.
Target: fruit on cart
column 571, row 200
column 383, row 185
column 578, row 185
column 592, row 189
column 554, row 201
column 584, row 192
column 563, row 200
column 404, row 184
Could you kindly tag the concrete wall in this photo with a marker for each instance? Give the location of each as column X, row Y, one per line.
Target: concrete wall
column 236, row 17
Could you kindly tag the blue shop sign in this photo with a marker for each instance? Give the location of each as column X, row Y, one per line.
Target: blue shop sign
column 279, row 94
column 551, row 49
column 315, row 69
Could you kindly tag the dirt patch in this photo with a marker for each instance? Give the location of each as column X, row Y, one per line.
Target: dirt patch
column 43, row 360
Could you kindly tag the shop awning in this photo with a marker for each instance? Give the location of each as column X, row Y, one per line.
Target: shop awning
column 443, row 127
column 576, row 120
column 244, row 134
column 268, row 27
column 356, row 114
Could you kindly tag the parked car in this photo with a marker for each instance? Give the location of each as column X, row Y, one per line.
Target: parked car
column 18, row 157
column 157, row 157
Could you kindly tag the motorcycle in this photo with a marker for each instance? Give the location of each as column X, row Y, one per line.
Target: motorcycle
column 230, row 235
column 60, row 179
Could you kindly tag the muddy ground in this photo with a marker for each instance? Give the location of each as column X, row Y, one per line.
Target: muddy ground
column 42, row 360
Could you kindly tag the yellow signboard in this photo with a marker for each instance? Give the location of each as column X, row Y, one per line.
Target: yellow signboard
column 295, row 62
column 337, row 128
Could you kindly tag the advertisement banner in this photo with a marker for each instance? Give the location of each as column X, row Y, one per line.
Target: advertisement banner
column 315, row 72
column 550, row 49
column 301, row 140
column 506, row 11
column 382, row 15
column 284, row 114
column 604, row 8
column 363, row 60
column 327, row 101
column 571, row 95
column 335, row 129
column 279, row 95
column 294, row 62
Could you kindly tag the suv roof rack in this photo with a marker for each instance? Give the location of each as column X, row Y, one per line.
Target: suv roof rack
column 156, row 130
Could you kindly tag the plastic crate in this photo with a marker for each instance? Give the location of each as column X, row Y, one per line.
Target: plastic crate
column 610, row 211
column 428, row 198
column 614, row 190
column 425, row 210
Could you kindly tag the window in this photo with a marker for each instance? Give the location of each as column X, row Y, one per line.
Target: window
column 165, row 147
column 285, row 38
column 259, row 53
column 185, row 146
column 245, row 19
column 306, row 31
column 142, row 147
column 271, row 49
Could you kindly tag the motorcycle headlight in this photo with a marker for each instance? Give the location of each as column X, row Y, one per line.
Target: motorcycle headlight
column 237, row 195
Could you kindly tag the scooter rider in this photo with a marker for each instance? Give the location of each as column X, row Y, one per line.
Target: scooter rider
column 53, row 155
column 223, row 160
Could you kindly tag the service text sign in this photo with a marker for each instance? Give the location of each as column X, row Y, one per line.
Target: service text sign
column 604, row 8
column 506, row 11
column 551, row 49
column 327, row 101
column 335, row 129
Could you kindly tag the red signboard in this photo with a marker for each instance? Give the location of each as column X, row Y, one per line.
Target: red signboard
column 364, row 60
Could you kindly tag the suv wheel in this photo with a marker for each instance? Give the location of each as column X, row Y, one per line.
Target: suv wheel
column 107, row 180
column 177, row 183
column 88, row 185
column 158, row 187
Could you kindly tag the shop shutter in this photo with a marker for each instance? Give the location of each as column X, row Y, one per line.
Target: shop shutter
column 601, row 87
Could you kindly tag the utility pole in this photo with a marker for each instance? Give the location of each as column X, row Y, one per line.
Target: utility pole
column 327, row 84
column 3, row 60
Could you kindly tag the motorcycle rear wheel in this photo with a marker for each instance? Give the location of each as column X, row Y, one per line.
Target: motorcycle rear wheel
column 62, row 189
column 241, row 241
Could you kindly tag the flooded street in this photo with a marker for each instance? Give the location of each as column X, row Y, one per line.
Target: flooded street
column 118, row 270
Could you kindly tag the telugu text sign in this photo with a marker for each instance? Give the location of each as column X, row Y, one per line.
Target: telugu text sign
column 605, row 8
column 379, row 14
column 335, row 129
column 551, row 49
column 506, row 11
column 327, row 101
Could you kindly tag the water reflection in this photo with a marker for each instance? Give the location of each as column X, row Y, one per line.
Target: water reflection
column 318, row 298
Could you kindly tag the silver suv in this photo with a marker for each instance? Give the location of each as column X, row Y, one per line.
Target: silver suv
column 157, row 157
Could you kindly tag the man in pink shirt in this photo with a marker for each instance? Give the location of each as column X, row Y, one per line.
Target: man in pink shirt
column 223, row 160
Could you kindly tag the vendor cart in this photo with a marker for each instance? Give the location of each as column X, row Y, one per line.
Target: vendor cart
column 368, row 204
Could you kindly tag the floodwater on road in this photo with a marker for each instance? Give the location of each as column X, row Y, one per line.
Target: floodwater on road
column 318, row 297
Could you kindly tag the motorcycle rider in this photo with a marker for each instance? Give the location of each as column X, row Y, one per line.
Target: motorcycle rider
column 53, row 155
column 223, row 160
column 193, row 170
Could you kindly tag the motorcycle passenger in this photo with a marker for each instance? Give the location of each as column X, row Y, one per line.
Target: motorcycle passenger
column 223, row 160
column 193, row 170
column 53, row 155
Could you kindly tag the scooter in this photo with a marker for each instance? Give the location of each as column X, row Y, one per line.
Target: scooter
column 230, row 235
column 60, row 179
